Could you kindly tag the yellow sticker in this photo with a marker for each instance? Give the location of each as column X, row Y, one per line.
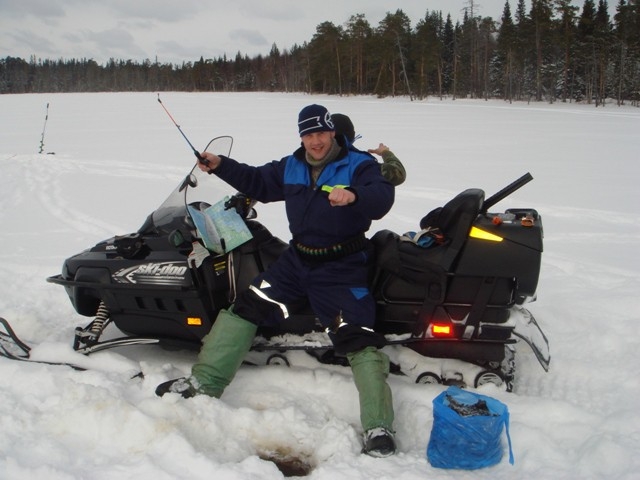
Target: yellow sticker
column 484, row 235
column 329, row 188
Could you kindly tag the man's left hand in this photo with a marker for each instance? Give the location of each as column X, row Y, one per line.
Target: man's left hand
column 339, row 197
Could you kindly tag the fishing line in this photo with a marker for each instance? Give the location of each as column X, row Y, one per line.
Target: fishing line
column 196, row 152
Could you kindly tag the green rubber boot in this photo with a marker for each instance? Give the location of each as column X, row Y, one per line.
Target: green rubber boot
column 370, row 369
column 223, row 350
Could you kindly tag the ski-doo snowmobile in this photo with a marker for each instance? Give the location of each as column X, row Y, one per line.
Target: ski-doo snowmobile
column 449, row 297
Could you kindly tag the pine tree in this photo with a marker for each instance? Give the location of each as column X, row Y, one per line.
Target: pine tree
column 566, row 40
column 585, row 36
column 505, row 52
column 428, row 54
column 358, row 37
column 324, row 59
column 448, row 41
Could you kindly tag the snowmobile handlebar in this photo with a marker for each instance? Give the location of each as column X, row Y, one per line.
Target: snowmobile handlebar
column 505, row 192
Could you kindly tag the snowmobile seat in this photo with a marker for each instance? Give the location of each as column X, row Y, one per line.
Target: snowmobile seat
column 412, row 262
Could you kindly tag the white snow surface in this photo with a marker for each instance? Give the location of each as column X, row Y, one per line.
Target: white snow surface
column 117, row 157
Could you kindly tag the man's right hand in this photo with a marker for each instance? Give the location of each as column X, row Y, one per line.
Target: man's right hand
column 212, row 159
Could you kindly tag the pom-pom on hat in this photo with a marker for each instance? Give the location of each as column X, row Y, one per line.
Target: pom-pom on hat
column 314, row 118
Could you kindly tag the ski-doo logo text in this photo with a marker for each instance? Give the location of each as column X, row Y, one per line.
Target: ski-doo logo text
column 162, row 273
column 159, row 269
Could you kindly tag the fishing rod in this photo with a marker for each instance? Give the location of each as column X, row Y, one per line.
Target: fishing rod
column 46, row 117
column 200, row 158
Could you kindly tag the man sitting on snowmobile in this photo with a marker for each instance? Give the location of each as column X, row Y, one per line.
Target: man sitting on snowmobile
column 332, row 193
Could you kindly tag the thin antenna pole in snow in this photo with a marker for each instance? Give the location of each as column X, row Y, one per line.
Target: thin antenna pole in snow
column 46, row 117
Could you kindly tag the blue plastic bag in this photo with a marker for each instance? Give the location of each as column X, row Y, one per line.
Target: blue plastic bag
column 467, row 430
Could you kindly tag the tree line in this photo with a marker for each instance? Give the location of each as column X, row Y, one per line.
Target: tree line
column 551, row 52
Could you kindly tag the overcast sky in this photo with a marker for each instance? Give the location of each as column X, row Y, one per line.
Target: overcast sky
column 174, row 31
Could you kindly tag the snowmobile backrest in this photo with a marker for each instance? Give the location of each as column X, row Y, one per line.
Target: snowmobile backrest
column 457, row 215
column 456, row 218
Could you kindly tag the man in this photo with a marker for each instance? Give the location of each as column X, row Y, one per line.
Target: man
column 392, row 168
column 331, row 193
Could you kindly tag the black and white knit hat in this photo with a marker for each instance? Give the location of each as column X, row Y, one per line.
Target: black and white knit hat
column 314, row 118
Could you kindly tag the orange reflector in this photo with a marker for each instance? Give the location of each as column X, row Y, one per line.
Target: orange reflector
column 441, row 329
column 527, row 221
column 196, row 321
column 484, row 235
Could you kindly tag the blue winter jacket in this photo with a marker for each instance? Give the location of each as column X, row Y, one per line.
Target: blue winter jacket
column 312, row 220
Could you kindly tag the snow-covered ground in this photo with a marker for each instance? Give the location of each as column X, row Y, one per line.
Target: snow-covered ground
column 117, row 156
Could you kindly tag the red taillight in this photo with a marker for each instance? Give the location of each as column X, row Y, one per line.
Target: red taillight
column 442, row 329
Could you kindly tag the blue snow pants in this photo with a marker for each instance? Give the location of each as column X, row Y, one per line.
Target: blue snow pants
column 336, row 290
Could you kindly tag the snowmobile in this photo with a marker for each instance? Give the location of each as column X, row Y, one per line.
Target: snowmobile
column 449, row 298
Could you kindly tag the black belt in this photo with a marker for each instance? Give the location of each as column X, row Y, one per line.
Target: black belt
column 333, row 252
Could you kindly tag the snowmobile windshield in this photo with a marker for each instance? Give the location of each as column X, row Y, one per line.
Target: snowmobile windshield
column 197, row 188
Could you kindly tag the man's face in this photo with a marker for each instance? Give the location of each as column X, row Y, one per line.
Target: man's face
column 317, row 144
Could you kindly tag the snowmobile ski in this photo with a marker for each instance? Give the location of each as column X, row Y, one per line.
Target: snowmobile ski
column 528, row 330
column 13, row 348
